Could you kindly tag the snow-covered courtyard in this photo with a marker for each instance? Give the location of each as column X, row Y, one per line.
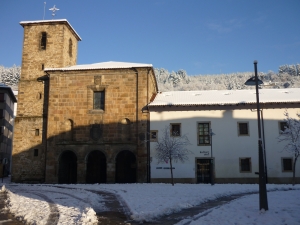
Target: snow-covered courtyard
column 78, row 204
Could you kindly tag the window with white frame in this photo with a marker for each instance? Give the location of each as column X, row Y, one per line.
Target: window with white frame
column 153, row 135
column 245, row 165
column 287, row 164
column 243, row 128
column 282, row 126
column 175, row 129
column 203, row 133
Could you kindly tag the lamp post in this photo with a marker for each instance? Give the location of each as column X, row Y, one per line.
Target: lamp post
column 212, row 180
column 263, row 200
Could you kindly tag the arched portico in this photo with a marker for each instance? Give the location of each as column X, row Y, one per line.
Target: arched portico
column 67, row 172
column 96, row 167
column 125, row 167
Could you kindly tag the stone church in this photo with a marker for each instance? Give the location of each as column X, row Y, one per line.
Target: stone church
column 79, row 123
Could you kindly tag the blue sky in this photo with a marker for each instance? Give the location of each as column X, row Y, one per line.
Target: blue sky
column 201, row 37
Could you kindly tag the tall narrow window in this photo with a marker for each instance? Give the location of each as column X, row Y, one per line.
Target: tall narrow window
column 37, row 132
column 203, row 133
column 99, row 100
column 70, row 47
column 43, row 40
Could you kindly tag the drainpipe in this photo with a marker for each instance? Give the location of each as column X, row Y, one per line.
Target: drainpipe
column 45, row 80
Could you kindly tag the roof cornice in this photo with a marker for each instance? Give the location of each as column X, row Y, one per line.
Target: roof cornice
column 44, row 22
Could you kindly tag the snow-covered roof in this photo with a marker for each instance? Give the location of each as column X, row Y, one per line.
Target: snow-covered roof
column 52, row 21
column 226, row 97
column 102, row 65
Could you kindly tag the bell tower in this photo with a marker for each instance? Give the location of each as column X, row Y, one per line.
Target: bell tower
column 46, row 44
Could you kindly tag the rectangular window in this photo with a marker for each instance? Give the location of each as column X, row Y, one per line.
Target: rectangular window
column 1, row 113
column 175, row 129
column 153, row 135
column 282, row 126
column 1, row 97
column 43, row 40
column 36, row 152
column 37, row 132
column 287, row 164
column 99, row 100
column 243, row 129
column 204, row 133
column 245, row 165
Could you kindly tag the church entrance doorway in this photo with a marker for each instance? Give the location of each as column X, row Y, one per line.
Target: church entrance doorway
column 125, row 167
column 67, row 172
column 96, row 168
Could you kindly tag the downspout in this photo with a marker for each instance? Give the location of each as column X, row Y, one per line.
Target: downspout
column 45, row 115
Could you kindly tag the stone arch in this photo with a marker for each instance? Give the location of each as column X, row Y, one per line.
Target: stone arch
column 125, row 167
column 96, row 167
column 67, row 168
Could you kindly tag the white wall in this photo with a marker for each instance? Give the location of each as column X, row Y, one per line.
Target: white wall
column 227, row 146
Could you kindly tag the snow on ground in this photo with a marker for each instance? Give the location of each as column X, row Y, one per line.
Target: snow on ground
column 284, row 208
column 35, row 203
column 149, row 201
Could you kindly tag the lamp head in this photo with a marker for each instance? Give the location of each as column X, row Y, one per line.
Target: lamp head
column 251, row 82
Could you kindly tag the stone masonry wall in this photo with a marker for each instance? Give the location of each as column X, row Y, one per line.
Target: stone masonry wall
column 71, row 99
column 31, row 101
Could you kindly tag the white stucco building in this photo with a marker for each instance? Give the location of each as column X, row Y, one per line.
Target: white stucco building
column 231, row 115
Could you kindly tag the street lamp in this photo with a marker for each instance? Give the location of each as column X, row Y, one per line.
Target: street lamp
column 263, row 200
column 212, row 180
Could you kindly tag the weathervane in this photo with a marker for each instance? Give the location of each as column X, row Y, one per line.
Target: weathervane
column 44, row 10
column 53, row 9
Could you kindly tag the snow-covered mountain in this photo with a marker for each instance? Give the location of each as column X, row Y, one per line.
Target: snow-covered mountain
column 288, row 76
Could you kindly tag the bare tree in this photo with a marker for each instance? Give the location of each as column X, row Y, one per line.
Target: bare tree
column 291, row 136
column 172, row 147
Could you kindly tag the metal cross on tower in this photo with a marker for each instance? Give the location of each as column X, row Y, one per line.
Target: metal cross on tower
column 53, row 9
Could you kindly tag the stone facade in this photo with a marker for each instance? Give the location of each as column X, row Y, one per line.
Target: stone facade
column 60, row 136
